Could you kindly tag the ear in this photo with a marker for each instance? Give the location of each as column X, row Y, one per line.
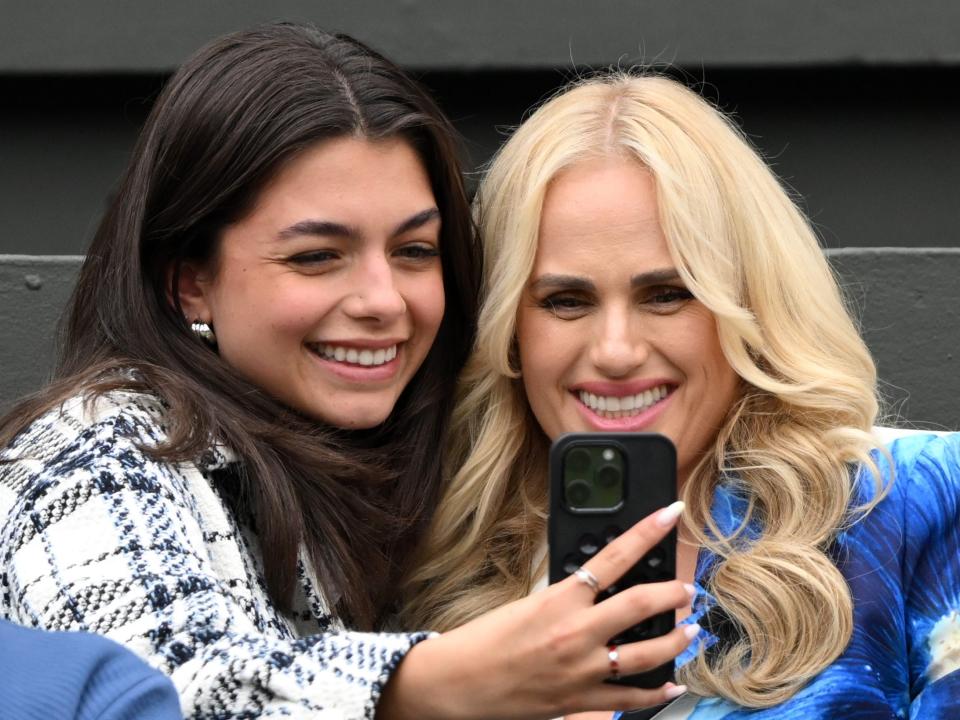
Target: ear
column 191, row 283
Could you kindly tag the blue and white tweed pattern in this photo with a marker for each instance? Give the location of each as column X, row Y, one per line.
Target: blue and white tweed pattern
column 96, row 536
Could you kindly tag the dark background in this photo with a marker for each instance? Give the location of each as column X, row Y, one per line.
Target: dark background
column 855, row 103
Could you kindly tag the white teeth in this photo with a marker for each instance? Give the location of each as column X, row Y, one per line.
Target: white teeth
column 366, row 358
column 610, row 406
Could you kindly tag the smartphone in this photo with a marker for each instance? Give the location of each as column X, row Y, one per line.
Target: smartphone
column 600, row 485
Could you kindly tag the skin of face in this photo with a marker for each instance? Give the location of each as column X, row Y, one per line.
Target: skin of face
column 329, row 293
column 609, row 337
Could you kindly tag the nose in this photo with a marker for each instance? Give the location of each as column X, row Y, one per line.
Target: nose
column 374, row 294
column 619, row 346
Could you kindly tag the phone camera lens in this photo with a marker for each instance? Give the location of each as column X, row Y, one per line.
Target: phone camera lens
column 610, row 534
column 578, row 493
column 578, row 461
column 655, row 558
column 608, row 476
column 572, row 563
column 589, row 545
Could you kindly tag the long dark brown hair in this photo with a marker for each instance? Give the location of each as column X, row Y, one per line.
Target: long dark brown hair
column 225, row 123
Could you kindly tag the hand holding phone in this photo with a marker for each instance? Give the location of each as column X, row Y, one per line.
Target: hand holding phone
column 546, row 654
column 601, row 484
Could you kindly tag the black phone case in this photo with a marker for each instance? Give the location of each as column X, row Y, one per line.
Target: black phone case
column 575, row 536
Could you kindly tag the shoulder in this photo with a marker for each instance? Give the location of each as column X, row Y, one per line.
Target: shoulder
column 919, row 477
column 78, row 435
column 77, row 464
column 78, row 675
column 922, row 462
column 922, row 473
column 81, row 418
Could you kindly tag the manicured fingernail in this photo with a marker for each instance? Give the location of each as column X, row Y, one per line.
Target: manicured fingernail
column 668, row 516
column 675, row 691
column 691, row 591
column 691, row 631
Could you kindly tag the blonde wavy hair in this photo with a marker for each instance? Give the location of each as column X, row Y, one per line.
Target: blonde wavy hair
column 803, row 419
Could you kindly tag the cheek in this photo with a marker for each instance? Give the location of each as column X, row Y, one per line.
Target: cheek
column 695, row 346
column 294, row 303
column 699, row 352
column 718, row 370
column 541, row 339
column 246, row 296
column 426, row 302
column 545, row 352
column 294, row 316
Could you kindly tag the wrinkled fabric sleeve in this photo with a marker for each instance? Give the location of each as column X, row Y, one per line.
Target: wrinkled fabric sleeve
column 931, row 576
column 106, row 540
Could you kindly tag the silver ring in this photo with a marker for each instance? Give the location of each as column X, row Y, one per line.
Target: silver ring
column 588, row 579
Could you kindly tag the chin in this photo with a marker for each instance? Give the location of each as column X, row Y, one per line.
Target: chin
column 361, row 424
column 355, row 421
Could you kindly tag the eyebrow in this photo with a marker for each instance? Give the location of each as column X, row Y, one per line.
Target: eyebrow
column 327, row 228
column 567, row 282
column 576, row 282
column 654, row 277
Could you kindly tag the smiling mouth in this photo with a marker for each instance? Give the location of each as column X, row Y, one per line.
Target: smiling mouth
column 362, row 357
column 614, row 407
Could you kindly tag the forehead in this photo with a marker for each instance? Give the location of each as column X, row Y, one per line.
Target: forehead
column 348, row 174
column 365, row 189
column 599, row 210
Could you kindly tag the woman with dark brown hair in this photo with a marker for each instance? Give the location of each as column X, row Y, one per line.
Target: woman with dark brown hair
column 242, row 443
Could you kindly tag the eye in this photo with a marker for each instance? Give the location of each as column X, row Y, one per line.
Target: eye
column 417, row 251
column 564, row 305
column 313, row 257
column 668, row 296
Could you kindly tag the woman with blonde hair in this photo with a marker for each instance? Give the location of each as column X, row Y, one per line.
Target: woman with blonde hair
column 645, row 271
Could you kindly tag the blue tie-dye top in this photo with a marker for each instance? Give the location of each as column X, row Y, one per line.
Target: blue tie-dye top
column 902, row 564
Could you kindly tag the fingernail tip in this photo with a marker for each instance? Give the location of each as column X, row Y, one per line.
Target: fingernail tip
column 675, row 691
column 670, row 513
column 692, row 630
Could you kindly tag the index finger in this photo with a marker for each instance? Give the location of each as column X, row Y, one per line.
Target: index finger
column 621, row 554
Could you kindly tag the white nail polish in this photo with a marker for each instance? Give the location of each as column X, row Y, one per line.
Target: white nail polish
column 691, row 631
column 675, row 691
column 668, row 516
column 691, row 590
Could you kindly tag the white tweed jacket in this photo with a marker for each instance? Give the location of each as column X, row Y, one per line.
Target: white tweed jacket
column 96, row 536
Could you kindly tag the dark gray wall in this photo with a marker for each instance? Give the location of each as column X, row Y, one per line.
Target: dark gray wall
column 49, row 36
column 855, row 102
column 908, row 305
column 33, row 293
column 908, row 302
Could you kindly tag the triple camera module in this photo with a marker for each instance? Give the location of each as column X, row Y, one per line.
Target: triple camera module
column 593, row 478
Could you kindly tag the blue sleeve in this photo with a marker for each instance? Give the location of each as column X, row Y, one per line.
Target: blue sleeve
column 931, row 575
column 126, row 688
column 78, row 676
